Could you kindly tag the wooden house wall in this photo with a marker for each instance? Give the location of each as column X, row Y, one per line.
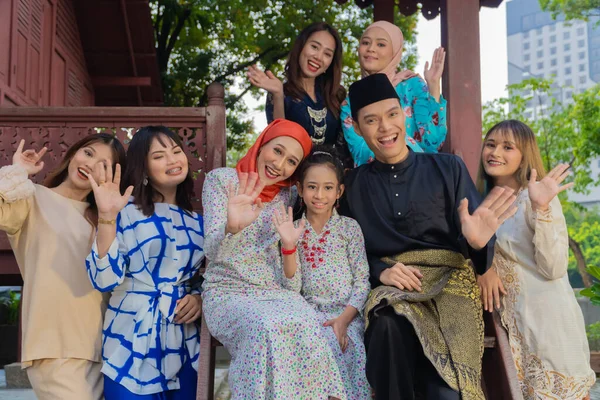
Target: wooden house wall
column 41, row 58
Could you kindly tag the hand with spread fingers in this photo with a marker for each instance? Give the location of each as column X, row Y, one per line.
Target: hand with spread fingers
column 244, row 206
column 284, row 223
column 29, row 159
column 491, row 289
column 189, row 309
column 107, row 192
column 541, row 193
column 479, row 227
column 403, row 277
column 265, row 80
column 433, row 72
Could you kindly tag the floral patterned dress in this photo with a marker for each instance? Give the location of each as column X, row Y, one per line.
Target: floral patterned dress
column 335, row 274
column 544, row 322
column 425, row 121
column 271, row 332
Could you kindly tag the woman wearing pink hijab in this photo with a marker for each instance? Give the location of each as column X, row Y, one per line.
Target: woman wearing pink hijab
column 380, row 51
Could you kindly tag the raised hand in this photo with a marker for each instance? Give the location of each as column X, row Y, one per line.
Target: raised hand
column 541, row 193
column 284, row 223
column 433, row 73
column 265, row 80
column 106, row 191
column 29, row 159
column 479, row 228
column 244, row 206
column 403, row 277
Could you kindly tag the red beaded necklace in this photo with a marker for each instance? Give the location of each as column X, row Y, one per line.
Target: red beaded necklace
column 316, row 251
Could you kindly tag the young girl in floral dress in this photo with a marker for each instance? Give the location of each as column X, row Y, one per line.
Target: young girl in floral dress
column 544, row 322
column 333, row 265
column 271, row 332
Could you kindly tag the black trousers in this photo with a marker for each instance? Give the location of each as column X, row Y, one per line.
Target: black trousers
column 397, row 368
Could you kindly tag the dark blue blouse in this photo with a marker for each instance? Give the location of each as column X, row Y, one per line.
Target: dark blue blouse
column 320, row 123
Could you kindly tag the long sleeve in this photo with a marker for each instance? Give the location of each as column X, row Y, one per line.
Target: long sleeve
column 357, row 257
column 108, row 272
column 268, row 109
column 465, row 188
column 550, row 239
column 361, row 154
column 214, row 199
column 16, row 191
column 429, row 129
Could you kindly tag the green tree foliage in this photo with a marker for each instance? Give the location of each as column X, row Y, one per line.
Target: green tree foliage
column 565, row 133
column 572, row 9
column 201, row 41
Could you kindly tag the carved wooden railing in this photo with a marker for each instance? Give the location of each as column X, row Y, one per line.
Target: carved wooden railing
column 202, row 131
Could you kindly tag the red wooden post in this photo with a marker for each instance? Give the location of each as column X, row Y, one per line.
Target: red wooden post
column 383, row 10
column 462, row 79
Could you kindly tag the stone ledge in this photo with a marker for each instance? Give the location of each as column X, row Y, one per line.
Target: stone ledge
column 16, row 378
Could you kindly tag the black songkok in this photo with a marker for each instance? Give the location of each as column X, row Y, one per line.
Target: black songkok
column 369, row 90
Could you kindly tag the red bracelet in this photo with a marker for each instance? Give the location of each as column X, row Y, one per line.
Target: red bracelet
column 288, row 252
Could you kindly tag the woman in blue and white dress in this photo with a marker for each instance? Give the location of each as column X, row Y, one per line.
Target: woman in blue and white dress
column 147, row 249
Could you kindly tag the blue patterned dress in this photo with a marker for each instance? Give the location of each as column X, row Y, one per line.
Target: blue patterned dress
column 425, row 121
column 335, row 274
column 147, row 269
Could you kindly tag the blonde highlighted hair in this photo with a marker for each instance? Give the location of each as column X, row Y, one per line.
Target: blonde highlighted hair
column 524, row 139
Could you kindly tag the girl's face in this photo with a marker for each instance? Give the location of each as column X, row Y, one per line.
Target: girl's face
column 167, row 164
column 320, row 190
column 317, row 54
column 85, row 161
column 278, row 159
column 500, row 156
column 375, row 50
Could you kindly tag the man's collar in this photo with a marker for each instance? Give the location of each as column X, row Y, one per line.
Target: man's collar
column 407, row 162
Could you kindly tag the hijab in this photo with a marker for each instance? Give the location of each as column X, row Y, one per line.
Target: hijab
column 277, row 128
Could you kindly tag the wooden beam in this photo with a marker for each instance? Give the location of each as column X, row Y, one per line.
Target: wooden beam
column 131, row 51
column 383, row 10
column 121, row 81
column 462, row 79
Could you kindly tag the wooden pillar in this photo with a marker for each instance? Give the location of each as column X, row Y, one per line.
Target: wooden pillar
column 383, row 10
column 462, row 79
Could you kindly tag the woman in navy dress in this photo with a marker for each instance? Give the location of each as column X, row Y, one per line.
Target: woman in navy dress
column 312, row 94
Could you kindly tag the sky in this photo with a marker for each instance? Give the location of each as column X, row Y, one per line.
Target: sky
column 494, row 75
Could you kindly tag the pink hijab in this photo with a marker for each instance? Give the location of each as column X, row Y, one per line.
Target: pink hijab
column 391, row 70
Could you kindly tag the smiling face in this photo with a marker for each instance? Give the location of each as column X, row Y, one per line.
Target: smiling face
column 320, row 189
column 167, row 164
column 382, row 125
column 85, row 161
column 501, row 158
column 375, row 50
column 278, row 159
column 317, row 54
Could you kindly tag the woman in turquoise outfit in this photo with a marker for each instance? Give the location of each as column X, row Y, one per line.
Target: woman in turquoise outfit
column 380, row 51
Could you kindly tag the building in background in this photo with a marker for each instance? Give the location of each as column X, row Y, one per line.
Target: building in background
column 566, row 51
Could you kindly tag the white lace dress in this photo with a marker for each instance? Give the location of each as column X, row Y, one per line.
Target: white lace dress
column 544, row 322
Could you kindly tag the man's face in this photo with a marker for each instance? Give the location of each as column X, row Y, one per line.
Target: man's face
column 382, row 125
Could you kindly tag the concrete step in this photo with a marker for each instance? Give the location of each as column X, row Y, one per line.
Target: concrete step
column 16, row 378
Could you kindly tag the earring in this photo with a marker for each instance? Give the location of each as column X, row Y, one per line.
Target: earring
column 145, row 182
column 301, row 202
column 337, row 203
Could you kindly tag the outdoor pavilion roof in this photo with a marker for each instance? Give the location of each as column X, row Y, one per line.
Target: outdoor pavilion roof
column 429, row 8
